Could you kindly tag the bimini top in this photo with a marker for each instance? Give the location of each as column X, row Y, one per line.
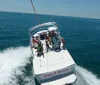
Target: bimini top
column 41, row 25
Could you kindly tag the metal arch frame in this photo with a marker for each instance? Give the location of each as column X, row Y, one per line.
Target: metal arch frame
column 41, row 25
column 37, row 28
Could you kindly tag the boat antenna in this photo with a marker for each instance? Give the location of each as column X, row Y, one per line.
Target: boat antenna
column 35, row 11
column 51, row 16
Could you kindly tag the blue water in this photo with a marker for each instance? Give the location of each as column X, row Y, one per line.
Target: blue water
column 82, row 35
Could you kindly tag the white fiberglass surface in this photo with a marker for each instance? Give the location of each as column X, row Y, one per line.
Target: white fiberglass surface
column 63, row 81
column 52, row 61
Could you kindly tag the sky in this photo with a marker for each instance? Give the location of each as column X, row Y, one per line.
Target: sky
column 76, row 8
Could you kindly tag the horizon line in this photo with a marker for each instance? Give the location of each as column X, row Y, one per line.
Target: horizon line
column 54, row 15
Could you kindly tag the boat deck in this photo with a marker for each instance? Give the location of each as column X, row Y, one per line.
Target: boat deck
column 52, row 61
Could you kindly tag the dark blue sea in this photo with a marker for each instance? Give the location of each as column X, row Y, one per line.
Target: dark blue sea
column 82, row 36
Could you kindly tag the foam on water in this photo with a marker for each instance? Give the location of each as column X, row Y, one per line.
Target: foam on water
column 10, row 61
column 88, row 77
column 13, row 60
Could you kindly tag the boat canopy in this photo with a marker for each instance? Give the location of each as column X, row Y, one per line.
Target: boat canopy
column 41, row 25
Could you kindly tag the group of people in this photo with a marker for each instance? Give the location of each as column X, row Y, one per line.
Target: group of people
column 37, row 44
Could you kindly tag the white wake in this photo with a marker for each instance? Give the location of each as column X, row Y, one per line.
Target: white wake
column 87, row 77
column 10, row 61
column 13, row 60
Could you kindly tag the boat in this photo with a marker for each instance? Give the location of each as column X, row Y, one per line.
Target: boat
column 54, row 64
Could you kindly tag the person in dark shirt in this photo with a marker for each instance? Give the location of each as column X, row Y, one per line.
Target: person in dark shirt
column 47, row 45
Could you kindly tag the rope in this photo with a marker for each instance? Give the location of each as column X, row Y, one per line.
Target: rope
column 34, row 11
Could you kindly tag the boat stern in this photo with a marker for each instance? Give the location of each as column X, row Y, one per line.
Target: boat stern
column 63, row 81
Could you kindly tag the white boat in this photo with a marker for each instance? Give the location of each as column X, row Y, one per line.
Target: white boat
column 56, row 67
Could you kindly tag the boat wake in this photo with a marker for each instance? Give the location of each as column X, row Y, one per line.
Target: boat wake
column 86, row 77
column 16, row 69
column 14, row 64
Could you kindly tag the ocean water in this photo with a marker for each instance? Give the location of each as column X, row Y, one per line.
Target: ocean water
column 82, row 36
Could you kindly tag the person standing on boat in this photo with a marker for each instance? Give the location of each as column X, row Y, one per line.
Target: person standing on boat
column 40, row 50
column 48, row 39
column 47, row 45
column 52, row 33
column 35, row 42
column 63, row 42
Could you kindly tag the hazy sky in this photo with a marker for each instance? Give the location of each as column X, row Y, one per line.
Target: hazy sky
column 78, row 8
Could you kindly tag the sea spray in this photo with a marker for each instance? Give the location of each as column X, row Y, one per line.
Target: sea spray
column 87, row 77
column 15, row 66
